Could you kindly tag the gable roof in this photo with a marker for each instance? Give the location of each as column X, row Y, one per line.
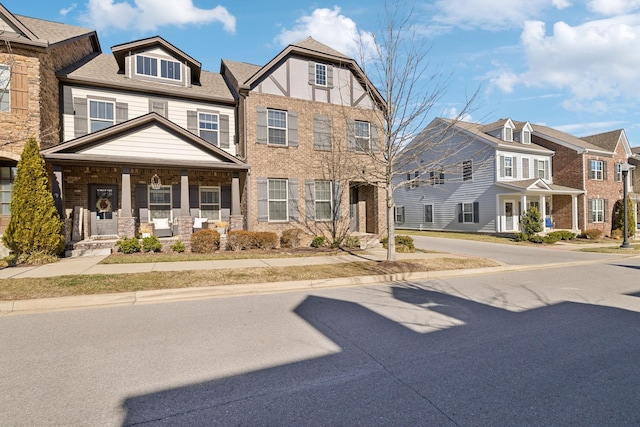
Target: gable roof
column 567, row 140
column 40, row 33
column 537, row 184
column 101, row 70
column 607, row 140
column 122, row 50
column 82, row 149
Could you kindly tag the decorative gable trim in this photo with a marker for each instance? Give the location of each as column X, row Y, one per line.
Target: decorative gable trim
column 18, row 26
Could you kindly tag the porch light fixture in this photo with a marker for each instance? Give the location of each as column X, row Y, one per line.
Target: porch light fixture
column 625, row 168
column 155, row 182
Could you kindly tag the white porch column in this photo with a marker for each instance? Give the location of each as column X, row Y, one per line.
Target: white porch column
column 184, row 194
column 126, row 193
column 574, row 213
column 543, row 211
column 523, row 202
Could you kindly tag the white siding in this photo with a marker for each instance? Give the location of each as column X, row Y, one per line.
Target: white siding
column 520, row 175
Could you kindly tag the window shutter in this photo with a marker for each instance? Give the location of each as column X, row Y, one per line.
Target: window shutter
column 262, row 133
column 159, row 107
column 310, row 197
column 547, row 170
column 590, row 218
column 592, row 173
column 224, row 131
column 337, row 200
column 192, row 121
column 351, row 135
column 292, row 123
column 80, row 120
column 19, row 89
column 329, row 76
column 321, row 132
column 142, row 205
column 122, row 112
column 294, row 213
column 460, row 214
column 525, row 168
column 194, row 201
column 604, row 170
column 515, row 167
column 312, row 73
column 501, row 167
column 263, row 200
column 605, row 213
column 375, row 140
column 225, row 203
column 175, row 200
column 476, row 212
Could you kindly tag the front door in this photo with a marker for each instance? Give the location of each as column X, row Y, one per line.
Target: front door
column 509, row 221
column 103, row 208
column 353, row 208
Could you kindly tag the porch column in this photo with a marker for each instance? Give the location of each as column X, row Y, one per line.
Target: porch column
column 574, row 213
column 543, row 211
column 184, row 222
column 523, row 203
column 184, row 194
column 236, row 220
column 126, row 220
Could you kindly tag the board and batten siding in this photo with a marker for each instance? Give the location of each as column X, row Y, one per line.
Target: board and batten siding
column 139, row 105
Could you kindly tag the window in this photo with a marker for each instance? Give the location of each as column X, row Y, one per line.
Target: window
column 596, row 210
column 7, row 176
column 278, row 202
column 436, row 178
column 160, row 202
column 277, row 125
column 5, row 79
column 428, row 213
column 542, row 173
column 467, row 170
column 323, row 200
column 467, row 212
column 362, row 131
column 208, row 127
column 399, row 214
column 508, row 134
column 321, row 74
column 100, row 115
column 596, row 169
column 526, row 137
column 210, row 203
column 619, row 172
column 508, row 166
column 148, row 66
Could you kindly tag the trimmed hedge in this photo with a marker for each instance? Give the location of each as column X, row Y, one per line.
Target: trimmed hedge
column 291, row 238
column 238, row 240
column 205, row 241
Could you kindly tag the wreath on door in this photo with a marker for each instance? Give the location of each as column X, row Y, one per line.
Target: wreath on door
column 103, row 205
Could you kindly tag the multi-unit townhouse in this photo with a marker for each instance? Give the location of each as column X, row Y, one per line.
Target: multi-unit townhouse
column 482, row 178
column 593, row 165
column 31, row 52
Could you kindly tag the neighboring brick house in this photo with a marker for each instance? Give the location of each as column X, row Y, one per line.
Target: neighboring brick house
column 591, row 164
column 481, row 178
column 31, row 52
column 149, row 144
column 303, row 113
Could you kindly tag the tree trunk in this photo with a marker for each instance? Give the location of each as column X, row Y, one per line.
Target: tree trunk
column 391, row 231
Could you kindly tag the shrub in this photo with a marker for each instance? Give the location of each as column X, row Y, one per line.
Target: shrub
column 205, row 241
column 536, row 238
column 291, row 238
column 128, row 245
column 551, row 238
column 151, row 244
column 618, row 222
column 178, row 247
column 531, row 221
column 265, row 240
column 352, row 242
column 520, row 237
column 592, row 233
column 35, row 228
column 562, row 235
column 318, row 242
column 404, row 244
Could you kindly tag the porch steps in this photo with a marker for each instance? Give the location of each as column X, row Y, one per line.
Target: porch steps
column 367, row 241
column 93, row 247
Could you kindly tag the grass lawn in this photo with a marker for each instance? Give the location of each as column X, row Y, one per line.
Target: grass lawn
column 29, row 288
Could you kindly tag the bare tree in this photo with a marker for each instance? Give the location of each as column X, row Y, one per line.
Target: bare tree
column 401, row 70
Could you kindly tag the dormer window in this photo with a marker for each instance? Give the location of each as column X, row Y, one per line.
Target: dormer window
column 148, row 66
column 508, row 134
column 526, row 137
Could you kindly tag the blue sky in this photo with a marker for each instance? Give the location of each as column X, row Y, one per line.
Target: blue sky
column 572, row 65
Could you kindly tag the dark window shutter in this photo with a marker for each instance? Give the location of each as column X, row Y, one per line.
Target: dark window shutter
column 80, row 120
column 192, row 121
column 262, row 133
column 329, row 76
column 194, row 201
column 122, row 112
column 605, row 214
column 175, row 200
column 263, row 200
column 460, row 213
column 225, row 202
column 224, row 131
column 375, row 139
column 312, row 73
column 604, row 170
column 310, row 197
column 590, row 219
column 142, row 205
column 337, row 200
column 292, row 123
column 321, row 132
column 476, row 212
column 351, row 135
column 294, row 213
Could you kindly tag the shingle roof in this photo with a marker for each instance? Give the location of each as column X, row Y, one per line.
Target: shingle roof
column 52, row 32
column 568, row 138
column 241, row 70
column 102, row 70
column 311, row 44
column 606, row 140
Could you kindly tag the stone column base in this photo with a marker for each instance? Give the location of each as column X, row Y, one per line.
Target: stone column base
column 184, row 229
column 127, row 227
column 236, row 222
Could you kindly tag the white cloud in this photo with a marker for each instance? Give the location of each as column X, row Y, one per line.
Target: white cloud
column 613, row 7
column 492, row 15
column 148, row 15
column 596, row 61
column 332, row 28
column 66, row 10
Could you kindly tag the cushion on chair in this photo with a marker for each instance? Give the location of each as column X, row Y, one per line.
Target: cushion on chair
column 161, row 223
column 199, row 222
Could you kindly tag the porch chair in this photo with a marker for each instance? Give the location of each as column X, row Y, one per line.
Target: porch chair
column 162, row 227
column 548, row 223
column 199, row 224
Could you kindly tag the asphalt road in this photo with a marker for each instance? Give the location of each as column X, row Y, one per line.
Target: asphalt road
column 555, row 346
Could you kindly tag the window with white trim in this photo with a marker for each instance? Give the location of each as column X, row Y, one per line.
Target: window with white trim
column 101, row 114
column 596, row 169
column 619, row 172
column 399, row 214
column 363, row 136
column 160, row 203
column 508, row 166
column 597, row 210
column 428, row 213
column 7, row 176
column 210, row 203
column 324, row 200
column 436, row 178
column 467, row 212
column 467, row 170
column 148, row 66
column 208, row 127
column 5, row 83
column 526, row 137
column 508, row 134
column 277, row 191
column 321, row 74
column 277, row 126
column 542, row 171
